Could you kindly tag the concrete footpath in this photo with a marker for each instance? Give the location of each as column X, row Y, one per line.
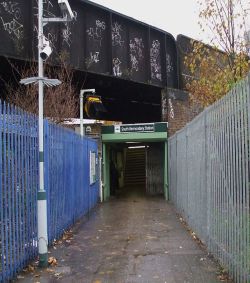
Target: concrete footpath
column 128, row 240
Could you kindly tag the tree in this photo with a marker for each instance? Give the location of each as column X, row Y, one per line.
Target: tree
column 60, row 101
column 215, row 69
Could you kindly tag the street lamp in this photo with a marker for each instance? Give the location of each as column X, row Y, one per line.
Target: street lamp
column 82, row 92
column 44, row 51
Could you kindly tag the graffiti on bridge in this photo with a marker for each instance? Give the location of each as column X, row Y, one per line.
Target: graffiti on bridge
column 155, row 60
column 11, row 19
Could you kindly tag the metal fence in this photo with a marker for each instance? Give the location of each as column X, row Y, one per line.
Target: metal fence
column 67, row 175
column 70, row 194
column 209, row 175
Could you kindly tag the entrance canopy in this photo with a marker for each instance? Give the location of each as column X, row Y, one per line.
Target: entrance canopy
column 116, row 140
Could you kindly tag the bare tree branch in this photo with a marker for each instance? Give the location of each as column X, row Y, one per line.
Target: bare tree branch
column 60, row 102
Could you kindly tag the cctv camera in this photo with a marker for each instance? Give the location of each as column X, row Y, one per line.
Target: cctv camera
column 46, row 50
column 66, row 9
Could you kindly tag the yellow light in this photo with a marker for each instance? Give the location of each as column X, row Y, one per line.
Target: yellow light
column 93, row 99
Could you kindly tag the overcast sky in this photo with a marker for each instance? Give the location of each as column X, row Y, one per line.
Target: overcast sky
column 173, row 16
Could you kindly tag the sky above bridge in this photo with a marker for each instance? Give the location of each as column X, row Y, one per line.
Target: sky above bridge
column 174, row 16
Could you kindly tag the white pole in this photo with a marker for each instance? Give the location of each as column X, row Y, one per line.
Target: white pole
column 41, row 198
column 82, row 92
column 81, row 112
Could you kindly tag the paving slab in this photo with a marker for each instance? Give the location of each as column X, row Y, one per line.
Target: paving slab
column 129, row 240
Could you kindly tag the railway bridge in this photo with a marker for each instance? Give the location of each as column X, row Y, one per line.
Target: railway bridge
column 128, row 62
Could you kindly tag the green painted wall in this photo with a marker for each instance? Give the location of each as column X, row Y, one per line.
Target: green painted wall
column 106, row 171
column 166, row 172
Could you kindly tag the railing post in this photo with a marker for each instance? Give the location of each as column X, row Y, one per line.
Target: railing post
column 207, row 187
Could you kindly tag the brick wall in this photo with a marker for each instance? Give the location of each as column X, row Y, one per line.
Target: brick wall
column 177, row 109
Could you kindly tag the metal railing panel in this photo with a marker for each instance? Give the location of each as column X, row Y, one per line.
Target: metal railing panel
column 214, row 159
column 67, row 184
column 18, row 186
column 196, row 176
column 67, row 165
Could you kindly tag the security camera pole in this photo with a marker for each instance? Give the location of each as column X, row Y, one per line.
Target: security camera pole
column 41, row 197
column 41, row 80
column 42, row 200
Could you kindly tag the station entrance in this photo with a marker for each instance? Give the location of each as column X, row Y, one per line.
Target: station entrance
column 135, row 160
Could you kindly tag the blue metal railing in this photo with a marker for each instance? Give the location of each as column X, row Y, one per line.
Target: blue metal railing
column 69, row 192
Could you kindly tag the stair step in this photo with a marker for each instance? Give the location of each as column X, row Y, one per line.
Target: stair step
column 127, row 172
column 135, row 175
column 135, row 178
column 135, row 167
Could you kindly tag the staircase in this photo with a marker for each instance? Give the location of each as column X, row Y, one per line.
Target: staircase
column 135, row 173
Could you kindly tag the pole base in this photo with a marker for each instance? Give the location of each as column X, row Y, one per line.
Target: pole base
column 43, row 260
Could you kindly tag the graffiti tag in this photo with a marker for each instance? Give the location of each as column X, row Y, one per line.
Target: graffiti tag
column 169, row 65
column 95, row 33
column 13, row 27
column 155, row 63
column 171, row 108
column 116, row 36
column 116, row 67
column 12, row 8
column 11, row 20
column 136, row 52
column 94, row 57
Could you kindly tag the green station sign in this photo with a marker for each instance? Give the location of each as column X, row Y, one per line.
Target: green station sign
column 144, row 128
column 135, row 128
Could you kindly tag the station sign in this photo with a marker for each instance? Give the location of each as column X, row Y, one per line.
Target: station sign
column 135, row 128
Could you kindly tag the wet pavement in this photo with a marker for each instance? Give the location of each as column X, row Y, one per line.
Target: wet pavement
column 135, row 239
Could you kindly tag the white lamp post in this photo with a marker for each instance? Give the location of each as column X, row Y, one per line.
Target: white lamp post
column 44, row 51
column 82, row 92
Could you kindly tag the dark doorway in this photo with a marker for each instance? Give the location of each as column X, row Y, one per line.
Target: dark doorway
column 136, row 169
column 155, row 169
